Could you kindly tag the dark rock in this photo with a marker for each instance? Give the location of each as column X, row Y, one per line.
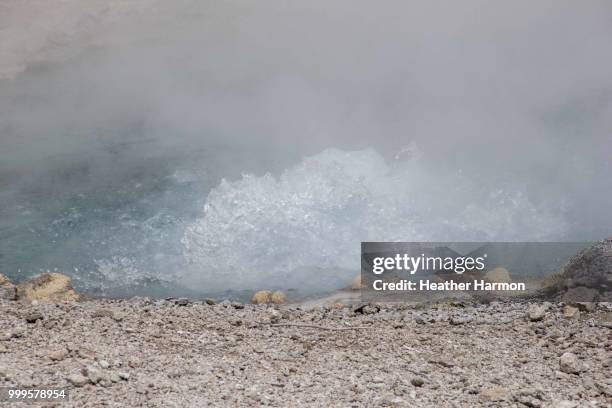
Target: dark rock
column 417, row 381
column 590, row 268
column 366, row 308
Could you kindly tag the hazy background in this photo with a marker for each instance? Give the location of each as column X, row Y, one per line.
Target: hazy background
column 118, row 117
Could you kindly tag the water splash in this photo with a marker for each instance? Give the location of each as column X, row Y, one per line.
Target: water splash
column 309, row 221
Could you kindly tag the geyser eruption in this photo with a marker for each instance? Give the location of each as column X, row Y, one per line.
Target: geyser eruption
column 289, row 230
column 118, row 121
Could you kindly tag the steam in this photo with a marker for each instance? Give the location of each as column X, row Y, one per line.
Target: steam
column 114, row 114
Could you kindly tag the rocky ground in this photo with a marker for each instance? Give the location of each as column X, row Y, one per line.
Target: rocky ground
column 178, row 352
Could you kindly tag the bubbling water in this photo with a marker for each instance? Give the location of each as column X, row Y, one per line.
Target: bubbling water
column 307, row 224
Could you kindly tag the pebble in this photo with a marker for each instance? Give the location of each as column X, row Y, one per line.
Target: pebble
column 459, row 320
column 33, row 317
column 535, row 313
column 569, row 363
column 182, row 302
column 571, row 312
column 417, row 381
column 495, row 394
column 58, row 355
column 92, row 374
column 274, row 315
column 78, row 380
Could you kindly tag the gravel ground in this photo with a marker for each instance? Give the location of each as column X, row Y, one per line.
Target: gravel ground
column 178, row 352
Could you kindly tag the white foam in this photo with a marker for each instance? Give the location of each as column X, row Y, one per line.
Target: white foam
column 314, row 216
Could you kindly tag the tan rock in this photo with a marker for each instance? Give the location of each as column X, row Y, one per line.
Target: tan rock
column 495, row 394
column 51, row 287
column 356, row 284
column 4, row 280
column 261, row 297
column 58, row 354
column 278, row 298
column 571, row 312
column 498, row 275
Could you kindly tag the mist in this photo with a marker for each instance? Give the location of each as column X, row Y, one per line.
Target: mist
column 118, row 115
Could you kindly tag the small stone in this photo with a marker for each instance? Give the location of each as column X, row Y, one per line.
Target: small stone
column 417, row 381
column 33, row 317
column 237, row 305
column 103, row 364
column 92, row 374
column 278, row 298
column 494, row 394
column 58, row 355
column 123, row 375
column 134, row 362
column 118, row 316
column 419, row 319
column 371, row 309
column 531, row 397
column 182, row 302
column 261, row 297
column 535, row 313
column 569, row 363
column 274, row 315
column 102, row 313
column 210, row 302
column 571, row 312
column 459, row 320
column 78, row 380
